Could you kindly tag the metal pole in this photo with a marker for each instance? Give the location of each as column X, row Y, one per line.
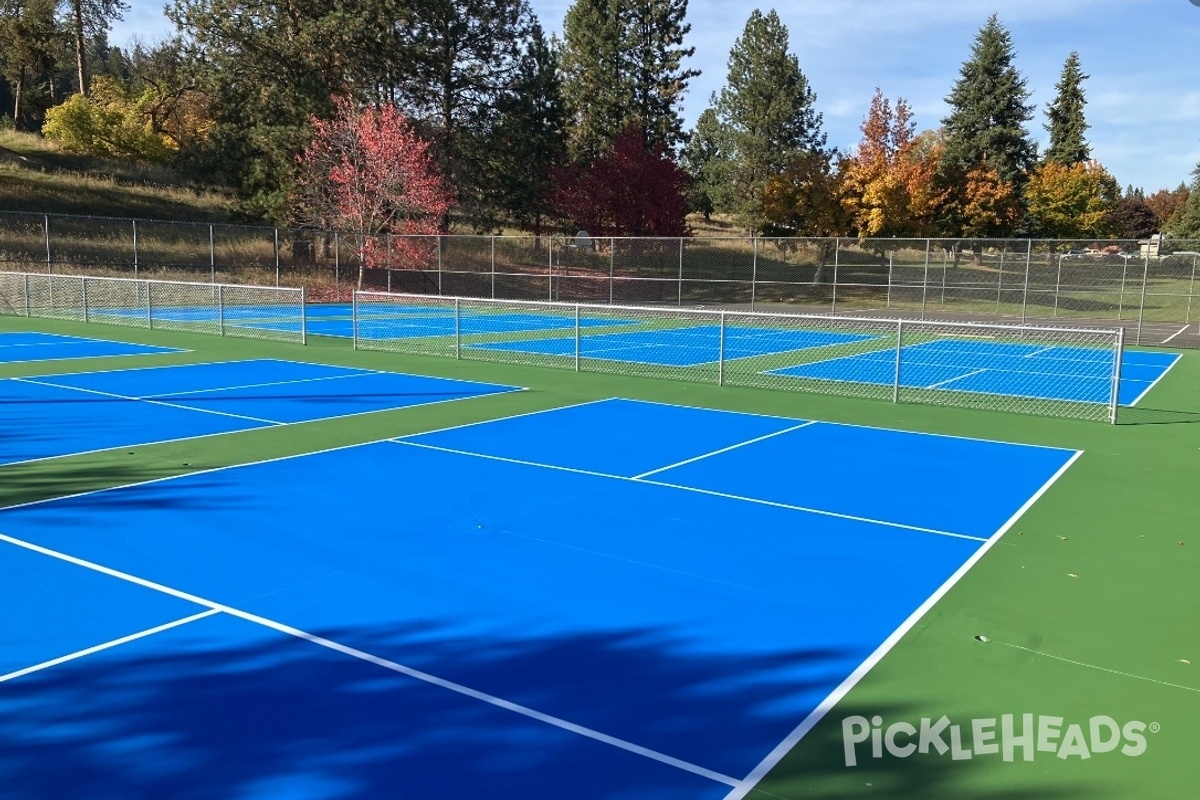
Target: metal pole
column 896, row 377
column 612, row 268
column 925, row 284
column 550, row 272
column 303, row 316
column 1025, row 293
column 387, row 242
column 212, row 253
column 1057, row 284
column 577, row 337
column 1187, row 317
column 837, row 248
column 754, row 273
column 84, row 292
column 354, row 316
column 1115, row 392
column 27, row 295
column 890, row 266
column 1142, row 302
column 337, row 266
column 149, row 306
column 721, row 354
column 1121, row 302
column 221, row 307
column 439, row 251
column 457, row 328
column 277, row 258
column 46, row 228
column 135, row 249
column 493, row 267
column 1000, row 278
column 680, row 300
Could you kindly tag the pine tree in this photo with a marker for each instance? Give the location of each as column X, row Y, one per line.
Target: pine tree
column 622, row 66
column 704, row 159
column 767, row 115
column 1185, row 221
column 986, row 125
column 1066, row 123
column 89, row 18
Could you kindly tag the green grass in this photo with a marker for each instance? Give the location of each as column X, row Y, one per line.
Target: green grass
column 1089, row 602
column 36, row 176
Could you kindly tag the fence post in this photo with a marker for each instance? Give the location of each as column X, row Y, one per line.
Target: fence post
column 1187, row 315
column 679, row 302
column 754, row 273
column 46, row 228
column 837, row 249
column 84, row 292
column 550, row 271
column 457, row 328
column 354, row 317
column 1057, row 283
column 577, row 337
column 1025, row 293
column 387, row 242
column 493, row 267
column 1142, row 302
column 135, row 250
column 221, row 307
column 439, row 251
column 721, row 353
column 149, row 305
column 612, row 267
column 925, row 283
column 27, row 294
column 212, row 253
column 303, row 316
column 890, row 269
column 277, row 258
column 337, row 266
column 896, row 377
column 1115, row 391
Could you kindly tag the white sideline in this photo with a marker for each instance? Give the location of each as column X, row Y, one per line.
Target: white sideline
column 353, row 652
column 54, row 662
column 748, row 783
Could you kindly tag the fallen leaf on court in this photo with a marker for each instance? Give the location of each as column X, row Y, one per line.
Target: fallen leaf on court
column 1064, row 538
column 1184, row 661
column 1072, row 575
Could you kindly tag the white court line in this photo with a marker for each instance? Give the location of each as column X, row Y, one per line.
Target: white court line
column 747, row 784
column 1176, row 333
column 755, row 500
column 254, row 385
column 956, row 378
column 148, row 400
column 411, row 672
column 1154, row 382
column 54, row 662
column 1036, row 352
column 1099, row 668
column 724, row 450
column 499, row 419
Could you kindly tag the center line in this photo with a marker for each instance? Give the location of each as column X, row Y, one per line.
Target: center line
column 724, row 450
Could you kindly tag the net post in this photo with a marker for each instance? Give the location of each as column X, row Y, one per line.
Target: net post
column 221, row 307
column 457, row 328
column 1025, row 292
column 896, row 377
column 1142, row 302
column 83, row 284
column 27, row 294
column 354, row 316
column 577, row 337
column 135, row 249
column 754, row 273
column 1115, row 392
column 680, row 291
column 721, row 353
column 837, row 249
column 212, row 253
column 149, row 305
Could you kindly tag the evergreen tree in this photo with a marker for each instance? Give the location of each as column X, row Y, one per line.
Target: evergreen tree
column 704, row 160
column 767, row 116
column 986, row 125
column 29, row 38
column 622, row 66
column 1185, row 221
column 530, row 138
column 88, row 19
column 1065, row 121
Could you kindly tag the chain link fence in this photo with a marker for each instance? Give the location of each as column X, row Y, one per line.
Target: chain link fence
column 1148, row 289
column 254, row 312
column 1065, row 372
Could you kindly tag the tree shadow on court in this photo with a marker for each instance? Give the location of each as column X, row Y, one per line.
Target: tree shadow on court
column 30, row 482
column 222, row 708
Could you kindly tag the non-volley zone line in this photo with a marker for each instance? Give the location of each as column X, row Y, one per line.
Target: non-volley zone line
column 678, row 610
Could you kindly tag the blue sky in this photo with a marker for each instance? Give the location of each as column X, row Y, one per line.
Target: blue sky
column 1142, row 55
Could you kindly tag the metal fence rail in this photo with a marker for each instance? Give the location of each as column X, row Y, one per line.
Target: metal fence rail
column 1149, row 290
column 1066, row 372
column 255, row 312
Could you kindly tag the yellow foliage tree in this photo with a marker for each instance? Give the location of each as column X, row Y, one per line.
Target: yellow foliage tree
column 1071, row 202
column 109, row 123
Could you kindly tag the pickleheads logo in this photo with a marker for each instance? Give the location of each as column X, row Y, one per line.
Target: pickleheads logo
column 1006, row 736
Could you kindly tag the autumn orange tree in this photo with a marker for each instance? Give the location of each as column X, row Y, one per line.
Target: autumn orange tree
column 808, row 199
column 367, row 172
column 889, row 177
column 1071, row 202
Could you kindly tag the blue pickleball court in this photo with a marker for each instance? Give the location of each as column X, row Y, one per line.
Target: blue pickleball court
column 1021, row 370
column 56, row 415
column 614, row 599
column 25, row 346
column 680, row 347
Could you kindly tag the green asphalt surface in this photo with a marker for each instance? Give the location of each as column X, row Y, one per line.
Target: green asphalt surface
column 1089, row 604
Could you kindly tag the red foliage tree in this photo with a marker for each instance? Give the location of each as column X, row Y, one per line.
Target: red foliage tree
column 630, row 190
column 367, row 172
